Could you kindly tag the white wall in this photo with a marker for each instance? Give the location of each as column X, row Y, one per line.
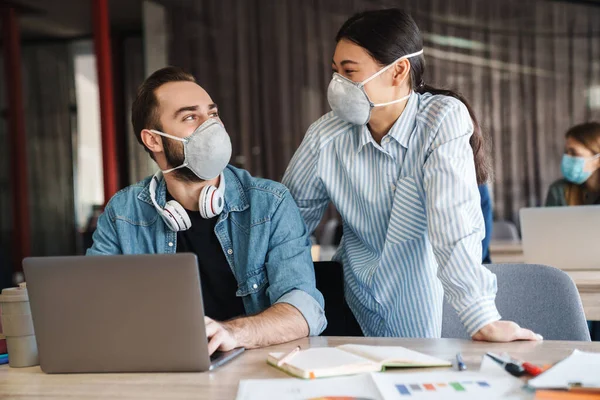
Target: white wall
column 89, row 189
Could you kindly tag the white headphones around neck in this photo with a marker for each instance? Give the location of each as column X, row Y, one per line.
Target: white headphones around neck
column 176, row 218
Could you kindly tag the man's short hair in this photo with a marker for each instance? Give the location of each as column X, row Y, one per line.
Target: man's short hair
column 144, row 110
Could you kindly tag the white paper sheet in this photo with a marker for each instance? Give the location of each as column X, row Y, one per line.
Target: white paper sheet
column 448, row 385
column 358, row 387
column 580, row 367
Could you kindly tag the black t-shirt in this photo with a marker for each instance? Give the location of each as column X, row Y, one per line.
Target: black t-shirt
column 217, row 280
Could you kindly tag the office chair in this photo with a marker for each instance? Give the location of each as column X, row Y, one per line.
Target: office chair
column 543, row 299
column 505, row 230
column 330, row 282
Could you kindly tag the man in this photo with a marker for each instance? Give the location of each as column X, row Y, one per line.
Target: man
column 252, row 245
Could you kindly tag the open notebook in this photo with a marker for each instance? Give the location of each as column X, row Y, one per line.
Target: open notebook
column 352, row 359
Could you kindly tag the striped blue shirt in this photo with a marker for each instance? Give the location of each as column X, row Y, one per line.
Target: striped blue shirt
column 412, row 222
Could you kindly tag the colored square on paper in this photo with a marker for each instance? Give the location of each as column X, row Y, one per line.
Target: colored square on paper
column 415, row 387
column 457, row 386
column 442, row 384
column 429, row 386
column 483, row 384
column 403, row 390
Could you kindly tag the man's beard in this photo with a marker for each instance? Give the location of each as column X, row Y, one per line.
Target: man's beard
column 175, row 157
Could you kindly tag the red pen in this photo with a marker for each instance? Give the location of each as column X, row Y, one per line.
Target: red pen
column 531, row 369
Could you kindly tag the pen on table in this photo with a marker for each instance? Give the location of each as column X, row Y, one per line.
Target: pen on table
column 460, row 364
column 510, row 367
column 288, row 356
column 530, row 369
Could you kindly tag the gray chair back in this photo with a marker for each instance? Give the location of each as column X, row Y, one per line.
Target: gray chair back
column 505, row 230
column 543, row 299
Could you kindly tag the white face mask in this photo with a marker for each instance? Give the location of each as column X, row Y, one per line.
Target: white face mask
column 207, row 150
column 350, row 101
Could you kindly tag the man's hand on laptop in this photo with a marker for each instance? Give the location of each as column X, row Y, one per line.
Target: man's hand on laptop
column 279, row 323
column 219, row 336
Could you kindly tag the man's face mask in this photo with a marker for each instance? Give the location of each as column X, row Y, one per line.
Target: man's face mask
column 207, row 150
column 350, row 101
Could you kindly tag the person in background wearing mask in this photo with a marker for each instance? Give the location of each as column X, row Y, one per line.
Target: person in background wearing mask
column 401, row 162
column 580, row 167
column 253, row 249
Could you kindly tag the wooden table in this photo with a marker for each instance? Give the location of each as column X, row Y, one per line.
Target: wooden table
column 506, row 252
column 31, row 383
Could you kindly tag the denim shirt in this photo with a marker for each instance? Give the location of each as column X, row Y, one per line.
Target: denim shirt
column 261, row 231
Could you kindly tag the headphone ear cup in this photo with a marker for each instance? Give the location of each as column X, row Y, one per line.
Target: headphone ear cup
column 168, row 220
column 218, row 202
column 204, row 202
column 207, row 204
column 180, row 220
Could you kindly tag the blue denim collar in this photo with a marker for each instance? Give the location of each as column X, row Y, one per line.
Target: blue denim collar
column 235, row 195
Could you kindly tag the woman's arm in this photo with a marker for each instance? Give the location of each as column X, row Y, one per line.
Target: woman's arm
column 303, row 181
column 456, row 229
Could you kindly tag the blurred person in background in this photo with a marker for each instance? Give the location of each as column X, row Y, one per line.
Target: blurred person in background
column 488, row 219
column 580, row 184
column 580, row 167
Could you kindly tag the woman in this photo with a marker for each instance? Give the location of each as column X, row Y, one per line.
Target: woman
column 580, row 167
column 401, row 162
column 581, row 171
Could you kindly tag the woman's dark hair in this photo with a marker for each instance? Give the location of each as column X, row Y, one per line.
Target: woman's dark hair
column 390, row 34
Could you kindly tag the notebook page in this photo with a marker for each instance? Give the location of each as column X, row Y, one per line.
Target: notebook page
column 394, row 355
column 323, row 359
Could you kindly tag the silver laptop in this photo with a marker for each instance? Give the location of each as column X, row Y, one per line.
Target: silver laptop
column 562, row 237
column 140, row 313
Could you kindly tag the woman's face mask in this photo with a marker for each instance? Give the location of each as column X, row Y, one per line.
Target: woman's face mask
column 578, row 162
column 573, row 168
column 349, row 100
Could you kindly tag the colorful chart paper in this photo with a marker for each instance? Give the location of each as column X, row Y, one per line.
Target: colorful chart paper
column 412, row 388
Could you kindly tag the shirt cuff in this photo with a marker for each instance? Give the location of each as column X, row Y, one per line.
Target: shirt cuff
column 310, row 309
column 479, row 314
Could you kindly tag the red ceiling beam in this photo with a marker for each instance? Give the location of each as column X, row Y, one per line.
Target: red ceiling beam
column 17, row 150
column 105, row 86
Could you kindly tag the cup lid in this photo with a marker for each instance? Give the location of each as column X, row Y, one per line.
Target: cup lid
column 14, row 295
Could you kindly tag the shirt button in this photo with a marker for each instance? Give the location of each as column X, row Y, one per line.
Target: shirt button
column 254, row 286
column 170, row 244
column 230, row 251
column 393, row 187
